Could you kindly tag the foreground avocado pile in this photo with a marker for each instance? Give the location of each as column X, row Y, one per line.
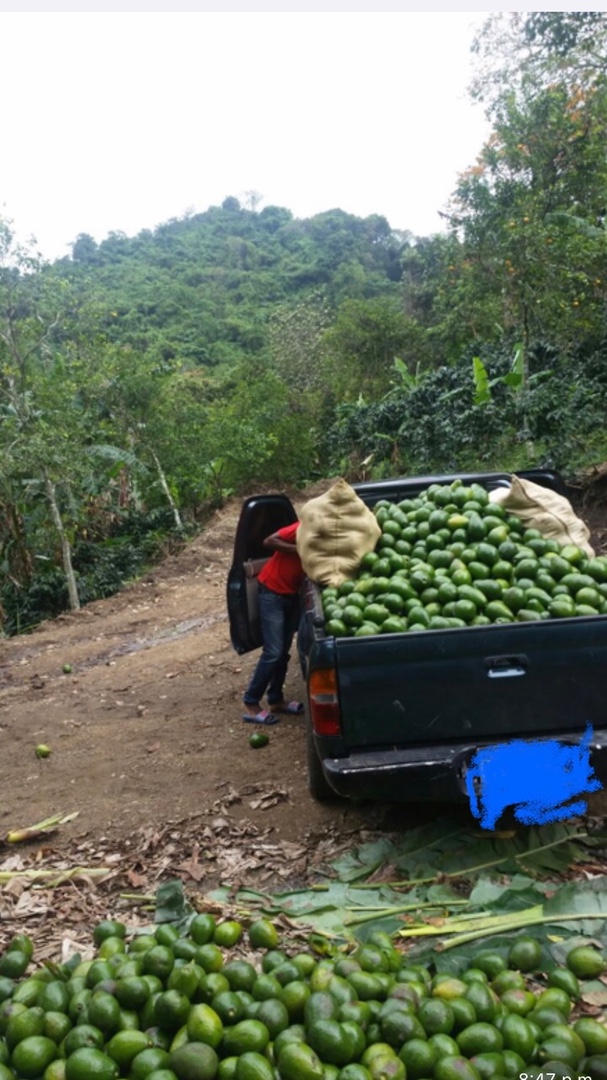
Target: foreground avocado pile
column 451, row 558
column 164, row 1007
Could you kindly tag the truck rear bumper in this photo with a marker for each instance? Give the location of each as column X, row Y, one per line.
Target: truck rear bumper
column 427, row 773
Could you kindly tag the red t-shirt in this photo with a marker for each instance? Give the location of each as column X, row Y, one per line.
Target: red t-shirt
column 283, row 572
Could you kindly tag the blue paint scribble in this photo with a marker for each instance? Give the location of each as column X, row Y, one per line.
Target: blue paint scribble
column 536, row 778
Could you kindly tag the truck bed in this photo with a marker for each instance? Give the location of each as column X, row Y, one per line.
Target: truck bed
column 418, row 704
column 480, row 683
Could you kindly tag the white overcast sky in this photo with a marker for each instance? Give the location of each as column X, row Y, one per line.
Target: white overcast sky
column 121, row 120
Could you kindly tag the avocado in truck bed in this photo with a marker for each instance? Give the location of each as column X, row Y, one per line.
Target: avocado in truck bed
column 450, row 558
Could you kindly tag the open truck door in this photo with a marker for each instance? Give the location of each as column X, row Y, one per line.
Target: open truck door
column 261, row 515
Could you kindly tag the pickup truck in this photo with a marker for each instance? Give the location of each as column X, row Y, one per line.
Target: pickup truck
column 398, row 717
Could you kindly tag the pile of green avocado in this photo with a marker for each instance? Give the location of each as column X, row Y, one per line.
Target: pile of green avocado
column 451, row 558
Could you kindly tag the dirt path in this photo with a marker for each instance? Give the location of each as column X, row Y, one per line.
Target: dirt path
column 147, row 727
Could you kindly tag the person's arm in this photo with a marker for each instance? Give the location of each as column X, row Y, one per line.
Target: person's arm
column 276, row 543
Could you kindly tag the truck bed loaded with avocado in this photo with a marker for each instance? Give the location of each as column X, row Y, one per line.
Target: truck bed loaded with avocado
column 462, row 629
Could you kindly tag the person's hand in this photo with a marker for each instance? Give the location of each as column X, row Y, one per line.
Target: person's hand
column 276, row 543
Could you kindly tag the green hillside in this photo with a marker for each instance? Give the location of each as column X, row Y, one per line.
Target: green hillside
column 201, row 290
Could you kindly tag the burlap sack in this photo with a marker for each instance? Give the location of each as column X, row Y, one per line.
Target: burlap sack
column 540, row 508
column 336, row 530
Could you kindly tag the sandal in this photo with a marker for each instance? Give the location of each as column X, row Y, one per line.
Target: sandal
column 292, row 708
column 263, row 717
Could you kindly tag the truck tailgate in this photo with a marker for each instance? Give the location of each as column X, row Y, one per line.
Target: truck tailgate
column 479, row 683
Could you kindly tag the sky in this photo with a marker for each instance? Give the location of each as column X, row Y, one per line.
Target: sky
column 119, row 121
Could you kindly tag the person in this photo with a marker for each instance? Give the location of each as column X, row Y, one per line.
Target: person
column 279, row 583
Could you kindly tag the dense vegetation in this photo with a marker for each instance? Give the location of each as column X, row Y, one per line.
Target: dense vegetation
column 144, row 379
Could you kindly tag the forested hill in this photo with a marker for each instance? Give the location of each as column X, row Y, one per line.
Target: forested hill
column 200, row 288
column 144, row 379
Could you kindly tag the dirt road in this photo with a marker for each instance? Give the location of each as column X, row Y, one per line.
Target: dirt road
column 147, row 729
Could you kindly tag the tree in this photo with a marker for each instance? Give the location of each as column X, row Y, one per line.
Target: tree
column 258, row 431
column 41, row 424
column 85, row 249
column 295, row 337
column 132, row 397
column 518, row 50
column 363, row 343
column 252, row 200
column 564, row 34
column 439, row 330
column 529, row 217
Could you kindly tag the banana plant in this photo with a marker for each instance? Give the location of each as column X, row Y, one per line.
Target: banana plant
column 515, row 379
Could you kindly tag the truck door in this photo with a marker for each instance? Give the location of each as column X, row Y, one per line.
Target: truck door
column 261, row 515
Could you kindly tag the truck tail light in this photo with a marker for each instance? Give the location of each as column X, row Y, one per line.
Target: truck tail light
column 324, row 702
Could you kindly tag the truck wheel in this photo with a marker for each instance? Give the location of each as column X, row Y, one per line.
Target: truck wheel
column 319, row 789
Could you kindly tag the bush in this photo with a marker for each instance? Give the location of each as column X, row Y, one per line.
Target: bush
column 435, row 426
column 101, row 569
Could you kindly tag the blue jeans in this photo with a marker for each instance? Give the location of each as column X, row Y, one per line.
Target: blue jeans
column 278, row 620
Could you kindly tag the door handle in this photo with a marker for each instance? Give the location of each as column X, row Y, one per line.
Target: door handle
column 506, row 667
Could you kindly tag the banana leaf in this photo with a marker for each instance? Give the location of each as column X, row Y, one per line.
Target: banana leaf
column 488, row 891
column 456, row 961
column 343, row 911
column 172, row 905
column 575, row 910
column 363, row 861
column 433, row 851
column 588, row 899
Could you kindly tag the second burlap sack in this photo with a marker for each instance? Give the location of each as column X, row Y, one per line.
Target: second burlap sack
column 336, row 530
column 540, row 508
